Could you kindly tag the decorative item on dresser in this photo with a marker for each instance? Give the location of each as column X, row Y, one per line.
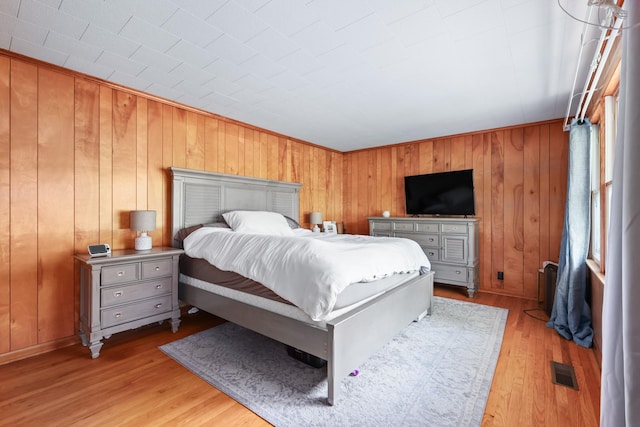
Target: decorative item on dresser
column 451, row 244
column 315, row 218
column 142, row 221
column 126, row 290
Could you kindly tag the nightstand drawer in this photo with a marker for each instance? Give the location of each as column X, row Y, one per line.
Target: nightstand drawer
column 157, row 268
column 381, row 226
column 139, row 310
column 123, row 294
column 427, row 228
column 122, row 273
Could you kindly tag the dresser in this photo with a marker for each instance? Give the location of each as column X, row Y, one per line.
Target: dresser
column 126, row 290
column 451, row 244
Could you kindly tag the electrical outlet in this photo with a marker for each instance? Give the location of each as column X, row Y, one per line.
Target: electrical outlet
column 500, row 275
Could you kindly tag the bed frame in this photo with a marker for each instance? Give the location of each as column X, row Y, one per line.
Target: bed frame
column 346, row 341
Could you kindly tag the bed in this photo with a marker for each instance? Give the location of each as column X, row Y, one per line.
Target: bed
column 345, row 340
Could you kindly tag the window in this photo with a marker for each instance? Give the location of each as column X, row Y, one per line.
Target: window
column 596, row 238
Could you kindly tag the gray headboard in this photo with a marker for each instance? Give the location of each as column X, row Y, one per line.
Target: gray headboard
column 199, row 197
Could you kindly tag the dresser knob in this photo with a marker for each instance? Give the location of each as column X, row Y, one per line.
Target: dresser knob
column 157, row 268
column 117, row 294
column 159, row 286
column 158, row 305
column 120, row 273
column 458, row 272
column 117, row 315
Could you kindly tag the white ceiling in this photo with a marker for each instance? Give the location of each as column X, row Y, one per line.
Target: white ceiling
column 345, row 74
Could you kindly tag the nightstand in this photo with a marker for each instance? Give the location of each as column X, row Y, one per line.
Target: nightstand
column 126, row 290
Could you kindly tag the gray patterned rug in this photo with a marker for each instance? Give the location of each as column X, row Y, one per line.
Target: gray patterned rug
column 437, row 372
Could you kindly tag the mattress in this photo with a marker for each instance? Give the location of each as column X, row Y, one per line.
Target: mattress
column 353, row 296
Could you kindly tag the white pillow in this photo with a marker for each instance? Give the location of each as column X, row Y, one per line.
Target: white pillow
column 258, row 222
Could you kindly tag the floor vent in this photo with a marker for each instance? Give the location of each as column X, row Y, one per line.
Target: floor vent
column 564, row 375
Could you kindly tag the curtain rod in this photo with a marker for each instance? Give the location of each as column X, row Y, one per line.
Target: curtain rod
column 597, row 65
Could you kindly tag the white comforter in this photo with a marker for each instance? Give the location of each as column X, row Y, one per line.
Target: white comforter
column 308, row 269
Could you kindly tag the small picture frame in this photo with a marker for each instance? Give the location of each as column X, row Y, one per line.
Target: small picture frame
column 329, row 227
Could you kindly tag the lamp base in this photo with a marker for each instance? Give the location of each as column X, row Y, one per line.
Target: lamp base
column 143, row 242
column 315, row 228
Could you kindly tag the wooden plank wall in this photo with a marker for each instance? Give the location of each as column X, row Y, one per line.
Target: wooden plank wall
column 520, row 176
column 77, row 154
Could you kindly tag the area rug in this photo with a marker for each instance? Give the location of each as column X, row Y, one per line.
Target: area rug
column 436, row 372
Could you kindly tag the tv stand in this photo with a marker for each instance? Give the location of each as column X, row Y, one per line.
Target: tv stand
column 451, row 244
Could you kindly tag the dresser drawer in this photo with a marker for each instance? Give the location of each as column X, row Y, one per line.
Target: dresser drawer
column 124, row 294
column 130, row 312
column 157, row 268
column 432, row 253
column 454, row 228
column 427, row 228
column 449, row 273
column 403, row 226
column 380, row 225
column 122, row 273
column 432, row 240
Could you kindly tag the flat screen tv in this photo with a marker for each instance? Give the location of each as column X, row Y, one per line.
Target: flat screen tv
column 444, row 193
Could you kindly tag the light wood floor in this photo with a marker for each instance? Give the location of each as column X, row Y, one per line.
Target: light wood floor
column 134, row 383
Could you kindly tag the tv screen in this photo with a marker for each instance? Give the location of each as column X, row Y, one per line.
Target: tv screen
column 444, row 193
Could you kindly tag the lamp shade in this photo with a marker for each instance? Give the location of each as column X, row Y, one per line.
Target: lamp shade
column 315, row 218
column 142, row 220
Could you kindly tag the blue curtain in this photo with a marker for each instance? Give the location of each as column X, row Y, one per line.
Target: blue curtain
column 571, row 315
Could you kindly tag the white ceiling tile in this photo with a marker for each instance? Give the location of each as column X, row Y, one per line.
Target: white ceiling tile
column 193, row 89
column 96, row 11
column 288, row 80
column 201, row 8
column 222, row 86
column 338, row 13
column 120, row 63
column 30, row 32
column 27, row 48
column 152, row 36
column 163, row 91
column 342, row 57
column 51, row 3
column 219, row 99
column 448, row 8
column 5, row 40
column 262, row 66
column 237, row 21
column 159, row 77
column 71, row 46
column 477, row 19
column 110, row 41
column 287, row 17
column 382, row 55
column 231, row 49
column 129, row 80
column 273, row 44
column 300, row 62
column 190, row 53
column 318, row 38
column 195, row 75
column 191, row 28
column 7, row 23
column 223, row 68
column 252, row 5
column 367, row 32
column 254, row 83
column 45, row 16
column 10, row 7
column 155, row 12
column 88, row 67
column 155, row 59
column 422, row 25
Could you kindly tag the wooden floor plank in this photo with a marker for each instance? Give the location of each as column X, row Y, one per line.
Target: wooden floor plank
column 134, row 383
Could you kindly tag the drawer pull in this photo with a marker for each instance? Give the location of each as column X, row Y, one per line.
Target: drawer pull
column 432, row 253
column 158, row 305
column 157, row 268
column 118, row 294
column 159, row 286
column 117, row 314
column 120, row 273
column 431, row 239
column 458, row 272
